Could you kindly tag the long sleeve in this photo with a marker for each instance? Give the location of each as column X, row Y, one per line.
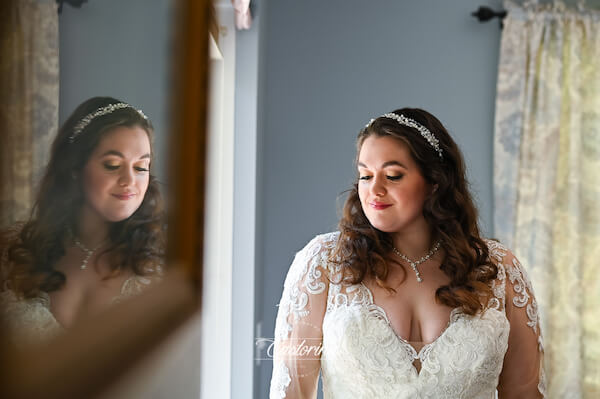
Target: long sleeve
column 522, row 374
column 298, row 328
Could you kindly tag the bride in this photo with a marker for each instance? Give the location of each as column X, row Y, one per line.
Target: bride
column 407, row 300
column 95, row 235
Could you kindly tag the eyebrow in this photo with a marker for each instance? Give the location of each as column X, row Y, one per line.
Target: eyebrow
column 119, row 154
column 385, row 164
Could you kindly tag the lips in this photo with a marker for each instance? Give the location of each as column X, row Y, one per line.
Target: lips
column 124, row 197
column 379, row 205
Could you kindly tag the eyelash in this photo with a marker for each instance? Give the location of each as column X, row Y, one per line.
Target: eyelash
column 392, row 178
column 115, row 167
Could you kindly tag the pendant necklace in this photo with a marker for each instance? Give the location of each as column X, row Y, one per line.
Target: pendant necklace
column 416, row 263
column 88, row 252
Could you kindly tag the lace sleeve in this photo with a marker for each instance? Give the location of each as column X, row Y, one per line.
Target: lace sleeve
column 298, row 328
column 523, row 373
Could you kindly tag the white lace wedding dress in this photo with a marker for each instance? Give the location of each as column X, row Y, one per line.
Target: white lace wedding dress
column 31, row 321
column 338, row 329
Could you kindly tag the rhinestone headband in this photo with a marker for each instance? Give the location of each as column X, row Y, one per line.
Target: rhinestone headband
column 86, row 120
column 403, row 120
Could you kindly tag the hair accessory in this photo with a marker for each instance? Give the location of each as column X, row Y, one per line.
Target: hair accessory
column 403, row 120
column 82, row 124
column 416, row 263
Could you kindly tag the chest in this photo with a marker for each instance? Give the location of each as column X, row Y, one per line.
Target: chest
column 362, row 353
column 86, row 291
column 411, row 308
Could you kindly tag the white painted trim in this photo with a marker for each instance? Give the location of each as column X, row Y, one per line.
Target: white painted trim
column 213, row 49
column 229, row 293
column 217, row 306
column 244, row 222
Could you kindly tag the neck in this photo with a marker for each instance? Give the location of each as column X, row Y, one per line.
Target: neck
column 89, row 229
column 414, row 244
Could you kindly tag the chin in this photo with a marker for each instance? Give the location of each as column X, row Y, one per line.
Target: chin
column 120, row 216
column 116, row 219
column 386, row 229
column 381, row 225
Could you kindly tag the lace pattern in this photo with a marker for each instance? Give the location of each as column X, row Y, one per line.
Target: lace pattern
column 30, row 320
column 360, row 338
column 280, row 381
column 362, row 356
column 517, row 275
column 304, row 278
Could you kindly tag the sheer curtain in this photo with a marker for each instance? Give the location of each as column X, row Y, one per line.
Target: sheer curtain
column 547, row 178
column 28, row 100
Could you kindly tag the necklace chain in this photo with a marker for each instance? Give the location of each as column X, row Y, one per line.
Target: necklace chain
column 88, row 252
column 415, row 263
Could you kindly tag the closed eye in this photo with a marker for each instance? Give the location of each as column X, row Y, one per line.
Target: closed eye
column 140, row 169
column 394, row 178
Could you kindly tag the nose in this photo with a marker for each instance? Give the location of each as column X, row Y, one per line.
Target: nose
column 378, row 186
column 126, row 177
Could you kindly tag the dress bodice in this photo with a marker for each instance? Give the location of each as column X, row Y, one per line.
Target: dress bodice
column 364, row 358
column 30, row 320
column 360, row 354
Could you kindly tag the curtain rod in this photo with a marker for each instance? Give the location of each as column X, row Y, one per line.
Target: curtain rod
column 72, row 3
column 484, row 14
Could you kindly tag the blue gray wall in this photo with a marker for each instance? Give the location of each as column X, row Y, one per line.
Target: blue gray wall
column 120, row 49
column 325, row 68
column 329, row 66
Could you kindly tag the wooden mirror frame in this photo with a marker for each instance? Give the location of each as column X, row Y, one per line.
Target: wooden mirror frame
column 89, row 358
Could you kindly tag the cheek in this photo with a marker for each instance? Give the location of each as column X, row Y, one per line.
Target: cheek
column 362, row 192
column 142, row 184
column 418, row 196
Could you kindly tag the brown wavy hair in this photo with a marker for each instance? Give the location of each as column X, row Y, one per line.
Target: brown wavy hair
column 363, row 250
column 136, row 243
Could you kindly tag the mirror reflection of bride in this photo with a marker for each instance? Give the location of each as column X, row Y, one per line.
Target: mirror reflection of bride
column 95, row 234
column 407, row 299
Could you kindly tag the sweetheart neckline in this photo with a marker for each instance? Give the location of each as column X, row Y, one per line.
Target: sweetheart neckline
column 47, row 301
column 452, row 318
column 423, row 353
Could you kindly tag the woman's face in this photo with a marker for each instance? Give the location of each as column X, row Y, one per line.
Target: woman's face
column 391, row 188
column 116, row 176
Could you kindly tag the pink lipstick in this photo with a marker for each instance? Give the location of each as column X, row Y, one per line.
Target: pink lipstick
column 124, row 197
column 379, row 205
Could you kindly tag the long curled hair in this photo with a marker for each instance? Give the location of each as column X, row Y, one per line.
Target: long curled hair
column 136, row 243
column 363, row 250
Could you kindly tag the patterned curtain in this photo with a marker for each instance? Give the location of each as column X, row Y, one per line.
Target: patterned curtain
column 28, row 100
column 547, row 179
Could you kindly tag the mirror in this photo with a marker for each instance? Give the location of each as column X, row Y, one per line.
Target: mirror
column 117, row 63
